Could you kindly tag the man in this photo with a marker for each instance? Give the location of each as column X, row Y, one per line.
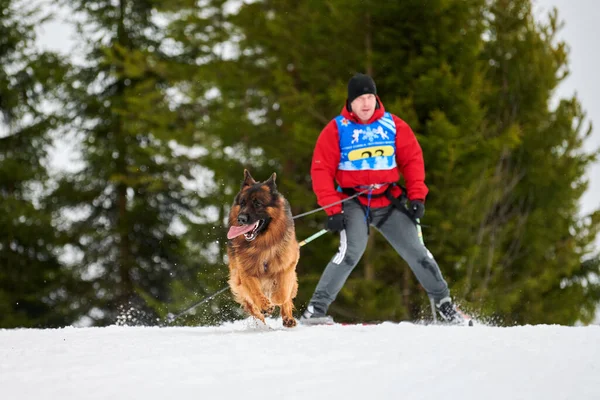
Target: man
column 366, row 149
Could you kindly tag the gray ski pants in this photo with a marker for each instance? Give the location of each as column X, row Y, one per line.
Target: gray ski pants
column 400, row 231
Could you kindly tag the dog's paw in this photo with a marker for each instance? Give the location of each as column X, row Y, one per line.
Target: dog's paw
column 268, row 311
column 289, row 322
column 266, row 307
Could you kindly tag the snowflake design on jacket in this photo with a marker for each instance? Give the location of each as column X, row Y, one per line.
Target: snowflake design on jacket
column 369, row 134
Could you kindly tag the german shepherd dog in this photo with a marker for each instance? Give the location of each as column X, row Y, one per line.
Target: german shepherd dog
column 262, row 250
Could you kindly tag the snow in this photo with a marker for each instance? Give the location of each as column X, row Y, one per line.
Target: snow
column 242, row 360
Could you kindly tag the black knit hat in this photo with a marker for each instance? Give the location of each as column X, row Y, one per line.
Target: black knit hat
column 358, row 85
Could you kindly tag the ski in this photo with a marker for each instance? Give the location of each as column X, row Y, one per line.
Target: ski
column 467, row 323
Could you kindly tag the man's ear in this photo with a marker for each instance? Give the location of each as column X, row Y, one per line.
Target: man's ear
column 248, row 179
column 271, row 183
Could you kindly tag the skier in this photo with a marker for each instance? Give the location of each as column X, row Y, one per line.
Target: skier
column 367, row 148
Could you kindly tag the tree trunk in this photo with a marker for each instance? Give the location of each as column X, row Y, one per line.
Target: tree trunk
column 124, row 262
column 407, row 290
column 369, row 271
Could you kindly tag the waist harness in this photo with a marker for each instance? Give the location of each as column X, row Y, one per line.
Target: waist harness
column 397, row 202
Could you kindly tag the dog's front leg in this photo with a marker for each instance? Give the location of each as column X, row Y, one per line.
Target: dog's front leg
column 284, row 294
column 261, row 304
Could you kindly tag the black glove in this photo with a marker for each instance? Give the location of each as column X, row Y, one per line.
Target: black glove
column 416, row 209
column 335, row 223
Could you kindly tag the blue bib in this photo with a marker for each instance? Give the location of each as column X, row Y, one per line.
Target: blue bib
column 367, row 147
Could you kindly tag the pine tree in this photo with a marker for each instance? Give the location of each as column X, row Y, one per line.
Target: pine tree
column 536, row 241
column 132, row 191
column 199, row 31
column 35, row 289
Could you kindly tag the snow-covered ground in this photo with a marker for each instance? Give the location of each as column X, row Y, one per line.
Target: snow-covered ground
column 243, row 361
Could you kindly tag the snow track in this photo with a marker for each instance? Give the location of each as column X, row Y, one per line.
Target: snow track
column 243, row 360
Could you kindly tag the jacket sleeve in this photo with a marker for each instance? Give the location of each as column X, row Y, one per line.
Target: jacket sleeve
column 326, row 158
column 409, row 158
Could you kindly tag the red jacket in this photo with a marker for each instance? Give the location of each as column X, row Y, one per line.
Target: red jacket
column 326, row 157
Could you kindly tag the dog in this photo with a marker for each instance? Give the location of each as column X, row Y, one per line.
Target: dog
column 263, row 251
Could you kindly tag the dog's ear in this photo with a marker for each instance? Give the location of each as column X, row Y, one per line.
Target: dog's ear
column 271, row 183
column 248, row 179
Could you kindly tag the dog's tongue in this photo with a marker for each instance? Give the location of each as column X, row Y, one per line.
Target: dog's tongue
column 235, row 230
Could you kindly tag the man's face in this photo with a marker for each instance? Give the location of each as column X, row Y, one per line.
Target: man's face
column 364, row 106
